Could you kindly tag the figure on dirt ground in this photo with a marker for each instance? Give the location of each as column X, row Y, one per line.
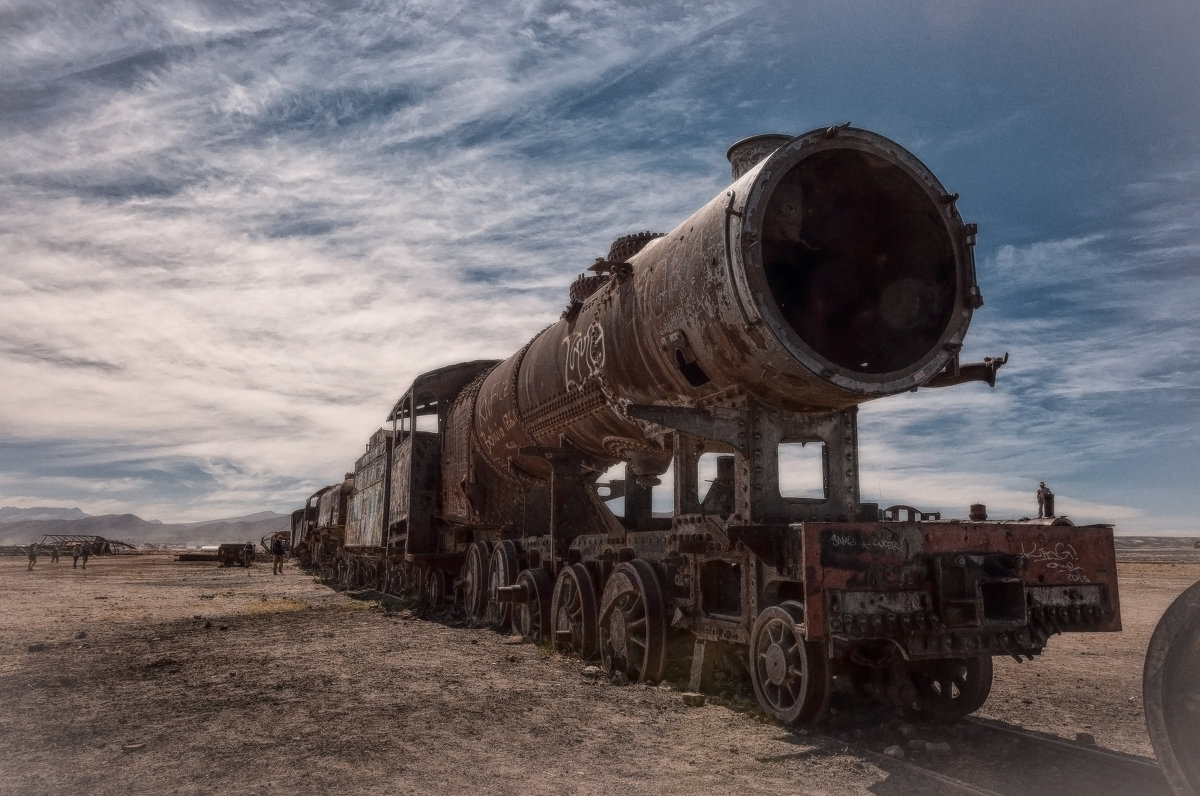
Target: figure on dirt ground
column 32, row 556
column 75, row 557
column 54, row 554
column 277, row 555
column 86, row 553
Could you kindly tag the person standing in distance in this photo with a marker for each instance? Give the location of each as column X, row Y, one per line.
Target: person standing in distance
column 1044, row 495
column 277, row 555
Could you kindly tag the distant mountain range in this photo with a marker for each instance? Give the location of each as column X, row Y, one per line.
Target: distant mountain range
column 22, row 526
column 11, row 514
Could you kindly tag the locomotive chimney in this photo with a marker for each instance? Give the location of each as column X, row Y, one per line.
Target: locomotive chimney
column 747, row 153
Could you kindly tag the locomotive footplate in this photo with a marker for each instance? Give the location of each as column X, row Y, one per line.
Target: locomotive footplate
column 955, row 589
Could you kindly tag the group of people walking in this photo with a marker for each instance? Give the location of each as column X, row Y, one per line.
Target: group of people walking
column 78, row 551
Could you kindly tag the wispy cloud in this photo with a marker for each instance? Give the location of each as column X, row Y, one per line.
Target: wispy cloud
column 232, row 233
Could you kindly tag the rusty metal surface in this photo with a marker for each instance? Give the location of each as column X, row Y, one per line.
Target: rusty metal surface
column 459, row 476
column 972, row 584
column 235, row 554
column 331, row 510
column 413, row 492
column 304, row 521
column 366, row 507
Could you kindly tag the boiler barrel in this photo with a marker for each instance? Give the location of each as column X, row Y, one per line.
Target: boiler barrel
column 835, row 271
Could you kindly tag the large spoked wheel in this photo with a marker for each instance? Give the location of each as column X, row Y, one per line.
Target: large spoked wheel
column 435, row 588
column 951, row 688
column 574, row 611
column 502, row 571
column 474, row 580
column 633, row 624
column 789, row 673
column 531, row 616
column 1171, row 692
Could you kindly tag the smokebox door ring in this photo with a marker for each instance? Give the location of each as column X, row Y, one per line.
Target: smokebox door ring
column 738, row 287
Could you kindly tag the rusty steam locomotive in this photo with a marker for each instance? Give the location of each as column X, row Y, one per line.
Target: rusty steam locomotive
column 722, row 364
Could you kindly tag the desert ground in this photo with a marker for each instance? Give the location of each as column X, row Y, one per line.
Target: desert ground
column 144, row 675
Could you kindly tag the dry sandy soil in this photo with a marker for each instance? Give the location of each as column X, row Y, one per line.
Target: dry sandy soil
column 145, row 675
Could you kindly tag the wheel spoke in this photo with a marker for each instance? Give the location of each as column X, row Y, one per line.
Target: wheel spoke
column 775, row 632
column 792, row 689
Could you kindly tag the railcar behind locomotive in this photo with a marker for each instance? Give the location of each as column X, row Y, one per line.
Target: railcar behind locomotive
column 732, row 351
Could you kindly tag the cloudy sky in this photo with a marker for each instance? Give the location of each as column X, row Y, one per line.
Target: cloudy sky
column 232, row 232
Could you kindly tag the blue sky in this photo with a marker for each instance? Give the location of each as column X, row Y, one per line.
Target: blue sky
column 232, row 232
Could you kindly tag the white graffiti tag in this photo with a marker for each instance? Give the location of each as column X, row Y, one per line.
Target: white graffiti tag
column 1061, row 557
column 585, row 356
column 877, row 543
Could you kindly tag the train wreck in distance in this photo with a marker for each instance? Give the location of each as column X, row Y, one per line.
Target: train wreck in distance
column 730, row 353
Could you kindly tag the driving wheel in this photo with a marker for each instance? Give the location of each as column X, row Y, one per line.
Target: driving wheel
column 632, row 623
column 502, row 571
column 574, row 612
column 531, row 615
column 474, row 580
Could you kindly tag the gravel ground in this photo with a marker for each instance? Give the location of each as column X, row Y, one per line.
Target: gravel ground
column 145, row 675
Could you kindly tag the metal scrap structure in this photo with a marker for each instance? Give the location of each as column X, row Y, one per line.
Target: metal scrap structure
column 64, row 542
column 98, row 544
column 713, row 364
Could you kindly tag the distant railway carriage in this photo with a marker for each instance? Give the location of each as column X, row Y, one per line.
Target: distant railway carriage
column 235, row 554
column 710, row 366
column 322, row 528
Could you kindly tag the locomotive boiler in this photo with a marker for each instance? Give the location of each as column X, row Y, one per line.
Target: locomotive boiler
column 675, row 459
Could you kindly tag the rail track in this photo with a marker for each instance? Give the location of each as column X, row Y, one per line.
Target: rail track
column 938, row 782
column 982, row 756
